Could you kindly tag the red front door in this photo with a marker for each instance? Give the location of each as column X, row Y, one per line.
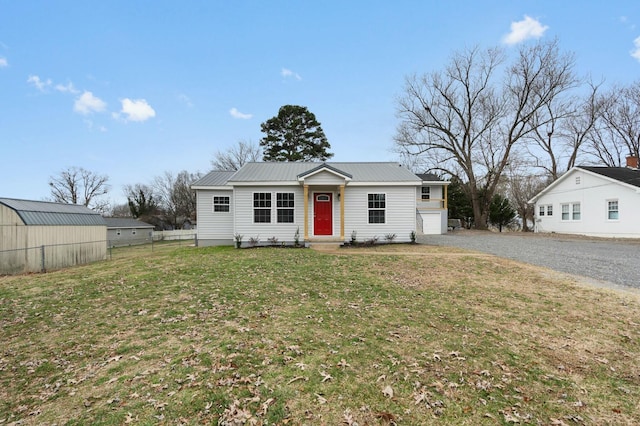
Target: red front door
column 322, row 214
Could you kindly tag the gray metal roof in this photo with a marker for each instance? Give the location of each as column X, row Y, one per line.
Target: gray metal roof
column 214, row 178
column 125, row 222
column 47, row 213
column 289, row 172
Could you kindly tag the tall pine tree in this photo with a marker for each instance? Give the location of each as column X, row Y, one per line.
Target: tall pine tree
column 294, row 135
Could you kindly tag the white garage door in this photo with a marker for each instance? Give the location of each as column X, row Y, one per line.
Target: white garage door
column 431, row 223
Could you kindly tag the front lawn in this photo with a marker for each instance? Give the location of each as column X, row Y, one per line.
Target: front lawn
column 392, row 334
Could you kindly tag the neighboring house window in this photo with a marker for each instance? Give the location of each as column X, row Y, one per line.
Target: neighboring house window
column 612, row 210
column 262, row 207
column 221, row 204
column 285, row 206
column 377, row 206
column 575, row 210
column 550, row 210
column 118, row 232
column 541, row 211
column 133, row 232
column 426, row 192
column 565, row 211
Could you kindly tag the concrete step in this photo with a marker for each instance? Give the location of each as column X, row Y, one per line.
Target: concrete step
column 325, row 246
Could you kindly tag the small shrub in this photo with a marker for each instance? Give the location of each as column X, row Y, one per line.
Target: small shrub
column 371, row 241
column 296, row 237
column 354, row 239
column 254, row 241
column 390, row 237
column 273, row 240
column 238, row 239
column 412, row 235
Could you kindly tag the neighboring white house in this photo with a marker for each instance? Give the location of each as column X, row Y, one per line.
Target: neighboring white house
column 594, row 201
column 318, row 202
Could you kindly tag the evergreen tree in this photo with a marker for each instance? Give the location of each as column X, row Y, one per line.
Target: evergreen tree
column 294, row 135
column 501, row 213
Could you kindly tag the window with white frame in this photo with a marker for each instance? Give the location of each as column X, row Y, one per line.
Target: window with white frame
column 550, row 210
column 377, row 205
column 565, row 211
column 541, row 211
column 575, row 211
column 133, row 232
column 221, row 204
column 285, row 207
column 426, row 192
column 262, row 207
column 612, row 210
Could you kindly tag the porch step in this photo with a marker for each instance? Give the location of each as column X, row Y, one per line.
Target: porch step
column 325, row 246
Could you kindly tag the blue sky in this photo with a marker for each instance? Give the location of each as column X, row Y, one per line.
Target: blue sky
column 132, row 89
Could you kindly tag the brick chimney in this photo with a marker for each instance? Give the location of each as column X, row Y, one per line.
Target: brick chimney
column 632, row 162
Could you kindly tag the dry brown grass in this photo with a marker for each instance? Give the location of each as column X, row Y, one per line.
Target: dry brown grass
column 389, row 334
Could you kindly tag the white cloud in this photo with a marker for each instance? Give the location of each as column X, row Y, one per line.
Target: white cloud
column 237, row 114
column 636, row 52
column 286, row 73
column 68, row 88
column 87, row 104
column 136, row 110
column 524, row 30
column 38, row 83
column 3, row 62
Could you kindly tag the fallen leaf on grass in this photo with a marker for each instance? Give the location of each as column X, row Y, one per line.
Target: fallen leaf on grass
column 388, row 391
column 321, row 399
column 325, row 376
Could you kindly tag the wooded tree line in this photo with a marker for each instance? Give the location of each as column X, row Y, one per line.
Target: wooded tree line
column 168, row 202
column 509, row 125
column 499, row 124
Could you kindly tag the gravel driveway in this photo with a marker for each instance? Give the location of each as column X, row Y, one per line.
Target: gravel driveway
column 611, row 263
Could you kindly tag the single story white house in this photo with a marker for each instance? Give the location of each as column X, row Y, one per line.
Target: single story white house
column 594, row 201
column 311, row 202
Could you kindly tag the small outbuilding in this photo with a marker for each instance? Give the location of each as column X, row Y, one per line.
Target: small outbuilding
column 124, row 231
column 36, row 236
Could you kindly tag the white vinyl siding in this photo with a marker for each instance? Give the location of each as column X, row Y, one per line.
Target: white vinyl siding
column 212, row 225
column 283, row 231
column 400, row 212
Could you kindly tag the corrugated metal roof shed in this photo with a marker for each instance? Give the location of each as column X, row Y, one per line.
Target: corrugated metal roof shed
column 289, row 171
column 214, row 178
column 55, row 214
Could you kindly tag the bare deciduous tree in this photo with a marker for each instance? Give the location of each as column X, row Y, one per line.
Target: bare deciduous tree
column 236, row 156
column 141, row 201
column 570, row 122
column 617, row 133
column 176, row 199
column 468, row 120
column 76, row 185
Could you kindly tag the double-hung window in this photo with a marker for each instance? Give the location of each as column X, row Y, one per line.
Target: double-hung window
column 541, row 212
column 377, row 205
column 220, row 204
column 426, row 192
column 262, row 207
column 565, row 211
column 550, row 210
column 575, row 211
column 285, row 206
column 612, row 210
